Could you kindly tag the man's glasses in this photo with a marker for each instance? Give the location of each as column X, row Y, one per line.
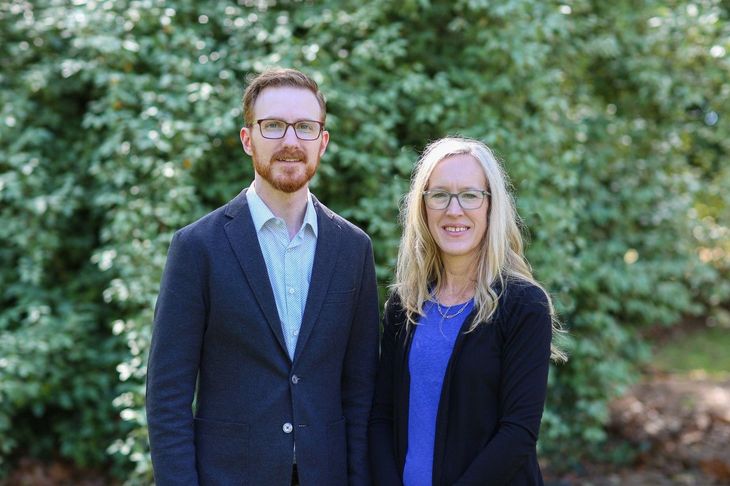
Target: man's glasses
column 472, row 199
column 304, row 129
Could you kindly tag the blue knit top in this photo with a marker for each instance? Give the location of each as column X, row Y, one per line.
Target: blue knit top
column 431, row 349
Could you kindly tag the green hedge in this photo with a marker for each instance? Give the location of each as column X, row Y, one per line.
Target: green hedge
column 120, row 122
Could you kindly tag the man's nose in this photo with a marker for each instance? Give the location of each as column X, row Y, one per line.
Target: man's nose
column 290, row 136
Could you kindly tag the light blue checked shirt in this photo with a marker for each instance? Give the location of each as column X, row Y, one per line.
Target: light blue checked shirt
column 289, row 263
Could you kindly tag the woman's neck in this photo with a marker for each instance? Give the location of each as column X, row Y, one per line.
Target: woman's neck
column 458, row 284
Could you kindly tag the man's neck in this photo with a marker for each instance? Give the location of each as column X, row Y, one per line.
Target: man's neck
column 289, row 206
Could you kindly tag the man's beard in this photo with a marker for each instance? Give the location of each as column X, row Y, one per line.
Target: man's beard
column 284, row 181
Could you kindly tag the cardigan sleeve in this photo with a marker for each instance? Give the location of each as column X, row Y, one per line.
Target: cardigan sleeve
column 527, row 328
column 383, row 464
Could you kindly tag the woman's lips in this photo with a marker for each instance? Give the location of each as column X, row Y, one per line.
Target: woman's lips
column 455, row 229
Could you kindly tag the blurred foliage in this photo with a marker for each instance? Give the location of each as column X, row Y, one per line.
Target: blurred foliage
column 696, row 352
column 119, row 124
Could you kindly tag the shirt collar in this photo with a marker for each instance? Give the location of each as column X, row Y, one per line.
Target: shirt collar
column 261, row 214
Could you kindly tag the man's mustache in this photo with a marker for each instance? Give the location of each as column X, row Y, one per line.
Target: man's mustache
column 291, row 153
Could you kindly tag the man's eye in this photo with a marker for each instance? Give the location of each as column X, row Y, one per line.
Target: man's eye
column 305, row 126
column 273, row 124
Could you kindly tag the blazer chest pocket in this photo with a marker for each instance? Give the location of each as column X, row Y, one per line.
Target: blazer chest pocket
column 339, row 297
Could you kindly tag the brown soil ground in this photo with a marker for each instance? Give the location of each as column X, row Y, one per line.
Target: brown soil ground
column 32, row 472
column 683, row 425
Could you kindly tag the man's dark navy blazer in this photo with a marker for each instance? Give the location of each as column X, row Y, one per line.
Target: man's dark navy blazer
column 217, row 327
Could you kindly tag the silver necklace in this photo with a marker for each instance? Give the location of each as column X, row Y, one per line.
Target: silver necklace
column 445, row 314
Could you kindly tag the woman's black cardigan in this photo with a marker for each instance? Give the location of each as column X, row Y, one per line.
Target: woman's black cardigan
column 491, row 402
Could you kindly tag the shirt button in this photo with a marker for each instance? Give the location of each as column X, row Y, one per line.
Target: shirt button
column 291, row 290
column 287, row 428
column 295, row 332
column 295, row 379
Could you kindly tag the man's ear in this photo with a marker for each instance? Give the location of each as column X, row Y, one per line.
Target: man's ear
column 245, row 136
column 325, row 141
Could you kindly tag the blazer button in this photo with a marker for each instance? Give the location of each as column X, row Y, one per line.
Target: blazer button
column 295, row 379
column 287, row 428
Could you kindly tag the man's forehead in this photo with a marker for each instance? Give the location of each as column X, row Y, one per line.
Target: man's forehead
column 287, row 103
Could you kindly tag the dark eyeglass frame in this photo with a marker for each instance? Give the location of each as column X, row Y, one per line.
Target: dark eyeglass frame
column 293, row 125
column 456, row 195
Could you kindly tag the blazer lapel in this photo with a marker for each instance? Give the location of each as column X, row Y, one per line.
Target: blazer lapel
column 241, row 234
column 328, row 243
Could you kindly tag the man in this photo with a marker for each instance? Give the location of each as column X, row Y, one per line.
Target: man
column 268, row 305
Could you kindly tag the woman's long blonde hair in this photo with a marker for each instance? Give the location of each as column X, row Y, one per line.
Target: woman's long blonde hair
column 420, row 266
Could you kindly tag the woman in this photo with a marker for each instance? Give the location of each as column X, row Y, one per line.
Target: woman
column 467, row 333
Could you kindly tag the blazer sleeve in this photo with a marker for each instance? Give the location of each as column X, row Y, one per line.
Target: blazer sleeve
column 358, row 375
column 526, row 360
column 383, row 461
column 172, row 370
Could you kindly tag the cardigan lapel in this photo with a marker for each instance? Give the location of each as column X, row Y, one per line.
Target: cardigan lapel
column 325, row 257
column 241, row 234
column 439, row 449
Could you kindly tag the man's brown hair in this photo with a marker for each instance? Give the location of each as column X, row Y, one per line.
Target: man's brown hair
column 278, row 78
